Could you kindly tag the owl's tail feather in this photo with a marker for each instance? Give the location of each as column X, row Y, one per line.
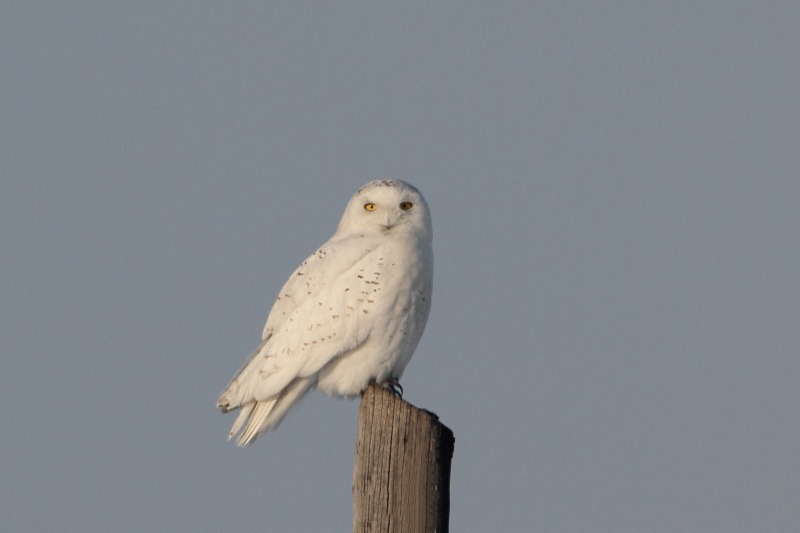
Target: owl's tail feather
column 263, row 415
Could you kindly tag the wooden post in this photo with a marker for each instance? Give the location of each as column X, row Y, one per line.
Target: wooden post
column 401, row 480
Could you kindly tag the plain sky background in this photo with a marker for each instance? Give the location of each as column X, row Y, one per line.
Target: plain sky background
column 615, row 193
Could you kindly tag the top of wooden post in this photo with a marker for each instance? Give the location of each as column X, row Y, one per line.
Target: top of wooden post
column 401, row 480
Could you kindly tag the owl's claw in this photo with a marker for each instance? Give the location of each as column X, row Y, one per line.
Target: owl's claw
column 394, row 386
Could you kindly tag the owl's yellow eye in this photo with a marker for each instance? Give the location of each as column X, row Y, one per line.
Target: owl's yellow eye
column 370, row 207
column 405, row 206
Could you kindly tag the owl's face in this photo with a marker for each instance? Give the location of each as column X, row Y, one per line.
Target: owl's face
column 387, row 206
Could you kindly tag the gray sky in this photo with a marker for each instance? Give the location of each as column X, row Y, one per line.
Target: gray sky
column 614, row 186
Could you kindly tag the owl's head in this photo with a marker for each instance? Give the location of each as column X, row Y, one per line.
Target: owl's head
column 387, row 206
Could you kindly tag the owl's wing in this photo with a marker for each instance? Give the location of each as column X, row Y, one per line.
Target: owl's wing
column 321, row 312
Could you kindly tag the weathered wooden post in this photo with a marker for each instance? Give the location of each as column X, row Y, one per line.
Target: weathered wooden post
column 401, row 480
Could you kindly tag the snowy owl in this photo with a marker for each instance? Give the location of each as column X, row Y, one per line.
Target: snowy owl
column 352, row 312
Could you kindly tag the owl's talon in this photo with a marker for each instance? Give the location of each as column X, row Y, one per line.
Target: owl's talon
column 394, row 386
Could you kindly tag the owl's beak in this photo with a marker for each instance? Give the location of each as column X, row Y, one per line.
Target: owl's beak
column 389, row 222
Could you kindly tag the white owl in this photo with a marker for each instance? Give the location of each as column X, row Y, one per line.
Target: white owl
column 353, row 312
